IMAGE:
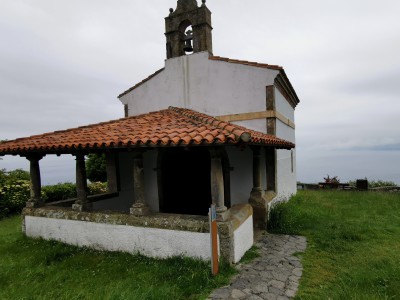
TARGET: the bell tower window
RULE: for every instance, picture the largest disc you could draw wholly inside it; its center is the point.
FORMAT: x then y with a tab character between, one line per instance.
188	37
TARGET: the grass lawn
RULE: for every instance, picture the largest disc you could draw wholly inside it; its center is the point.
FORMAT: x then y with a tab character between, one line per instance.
353	243
37	269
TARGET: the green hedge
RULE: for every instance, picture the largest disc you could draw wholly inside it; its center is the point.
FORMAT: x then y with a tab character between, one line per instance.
60	191
14	195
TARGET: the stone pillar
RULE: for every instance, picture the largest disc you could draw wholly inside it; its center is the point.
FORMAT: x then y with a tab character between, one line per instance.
270	160
257	195
270	101
257	169
36	186
139	207
217	185
112	172
82	203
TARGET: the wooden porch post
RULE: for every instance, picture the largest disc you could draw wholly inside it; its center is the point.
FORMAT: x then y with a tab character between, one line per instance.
217	185
139	207
82	203
36	186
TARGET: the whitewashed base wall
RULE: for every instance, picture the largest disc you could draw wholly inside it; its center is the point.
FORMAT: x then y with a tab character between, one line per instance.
152	242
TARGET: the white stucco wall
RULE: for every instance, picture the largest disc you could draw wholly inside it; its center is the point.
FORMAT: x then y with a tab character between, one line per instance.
286	183
204	85
151	242
286	178
243	239
241	160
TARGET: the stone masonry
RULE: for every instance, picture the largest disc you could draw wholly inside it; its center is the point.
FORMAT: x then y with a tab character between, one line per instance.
273	275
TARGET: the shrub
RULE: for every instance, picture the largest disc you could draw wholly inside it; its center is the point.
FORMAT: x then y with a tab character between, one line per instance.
13	197
96	167
333	180
97	188
283	217
7	177
60	191
63	191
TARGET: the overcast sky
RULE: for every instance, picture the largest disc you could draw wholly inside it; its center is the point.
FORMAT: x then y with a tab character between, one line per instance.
63	63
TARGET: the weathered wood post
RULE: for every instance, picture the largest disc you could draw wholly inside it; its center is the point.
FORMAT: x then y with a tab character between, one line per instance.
35	185
82	203
139	207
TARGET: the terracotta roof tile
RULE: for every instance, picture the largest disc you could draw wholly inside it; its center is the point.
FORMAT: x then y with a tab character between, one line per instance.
170	127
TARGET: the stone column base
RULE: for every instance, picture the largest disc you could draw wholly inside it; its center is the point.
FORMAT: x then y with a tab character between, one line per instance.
222	214
259	200
34	204
140	210
82	207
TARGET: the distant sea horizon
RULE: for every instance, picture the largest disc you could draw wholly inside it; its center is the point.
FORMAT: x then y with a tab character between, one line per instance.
62	169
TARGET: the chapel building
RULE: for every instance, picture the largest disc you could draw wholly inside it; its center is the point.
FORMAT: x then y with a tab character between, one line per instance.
202	130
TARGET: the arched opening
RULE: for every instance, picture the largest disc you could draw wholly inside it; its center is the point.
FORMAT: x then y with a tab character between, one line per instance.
185	181
186	32
188	40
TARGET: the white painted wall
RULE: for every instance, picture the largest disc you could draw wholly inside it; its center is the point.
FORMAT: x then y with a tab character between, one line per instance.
243	239
286	185
286	179
204	85
242	174
151	242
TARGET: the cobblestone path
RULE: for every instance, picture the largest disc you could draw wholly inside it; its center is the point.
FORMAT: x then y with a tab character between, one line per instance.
273	275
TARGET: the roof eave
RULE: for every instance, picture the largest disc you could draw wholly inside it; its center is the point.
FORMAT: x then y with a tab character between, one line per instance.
283	84
140	83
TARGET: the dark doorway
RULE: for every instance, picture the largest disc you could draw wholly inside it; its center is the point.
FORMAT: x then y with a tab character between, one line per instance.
185	181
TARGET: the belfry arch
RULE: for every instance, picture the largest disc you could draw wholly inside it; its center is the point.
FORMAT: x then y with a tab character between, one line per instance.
188	13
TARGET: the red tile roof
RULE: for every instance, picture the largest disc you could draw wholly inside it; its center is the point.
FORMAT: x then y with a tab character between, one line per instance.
170	127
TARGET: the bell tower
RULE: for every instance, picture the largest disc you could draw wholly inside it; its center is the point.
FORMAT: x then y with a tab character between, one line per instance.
188	29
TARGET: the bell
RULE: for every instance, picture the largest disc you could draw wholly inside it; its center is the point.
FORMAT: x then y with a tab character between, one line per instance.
188	41
188	46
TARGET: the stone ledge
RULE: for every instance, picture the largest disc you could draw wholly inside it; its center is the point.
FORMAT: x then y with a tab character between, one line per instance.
156	220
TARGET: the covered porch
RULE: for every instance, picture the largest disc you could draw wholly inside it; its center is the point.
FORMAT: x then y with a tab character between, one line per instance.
164	169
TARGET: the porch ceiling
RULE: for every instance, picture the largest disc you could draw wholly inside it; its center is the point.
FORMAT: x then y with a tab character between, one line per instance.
170	127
